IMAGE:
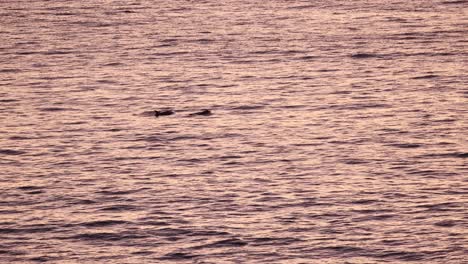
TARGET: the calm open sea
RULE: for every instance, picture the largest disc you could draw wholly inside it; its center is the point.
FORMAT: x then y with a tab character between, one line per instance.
338	133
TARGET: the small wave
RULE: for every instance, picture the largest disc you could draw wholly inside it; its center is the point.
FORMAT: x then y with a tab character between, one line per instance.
459	155
127	11
111	129
113	64
372	211
441	207
155	223
83	202
261	52
204	40
430	173
210	233
103	223
300	7
446	223
364	56
327	70
308	57
66	14
41	259
35	192
10	70
8	100
11	152
118	208
93	24
354	161
429	76
177	256
364	201
12	252
342	249
31	189
27	52
263	241
147	113
107	236
456	2
106	192
165	45
229	157
170	54
359	106
171	232
54	109
248	107
28	188
19	138
26	230
57	52
423	54
106	81
143	252
373	217
231	242
185	137
406	145
296	106
446	120
401	255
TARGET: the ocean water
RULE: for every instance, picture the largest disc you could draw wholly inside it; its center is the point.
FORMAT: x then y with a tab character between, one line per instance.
338	133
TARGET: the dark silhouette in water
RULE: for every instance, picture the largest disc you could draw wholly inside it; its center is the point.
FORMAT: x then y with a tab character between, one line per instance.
363	55
163	113
204	112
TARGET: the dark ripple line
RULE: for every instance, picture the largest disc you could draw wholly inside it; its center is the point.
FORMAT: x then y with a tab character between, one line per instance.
55	109
405	145
271	241
26	230
105	236
9	71
171	232
429	76
342	249
231	242
356	106
446	223
118	208
402	255
364	56
110	192
103	223
462	155
11	152
456	2
178	256
28	187
12	252
248	107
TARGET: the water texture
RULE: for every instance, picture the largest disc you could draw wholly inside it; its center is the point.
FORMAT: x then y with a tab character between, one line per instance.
338	132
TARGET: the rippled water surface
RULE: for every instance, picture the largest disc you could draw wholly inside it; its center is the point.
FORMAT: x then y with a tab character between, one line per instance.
338	132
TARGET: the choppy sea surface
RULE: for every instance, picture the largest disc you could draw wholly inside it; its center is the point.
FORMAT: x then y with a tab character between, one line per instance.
338	133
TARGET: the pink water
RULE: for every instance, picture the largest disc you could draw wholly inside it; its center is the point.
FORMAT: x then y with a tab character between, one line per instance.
338	132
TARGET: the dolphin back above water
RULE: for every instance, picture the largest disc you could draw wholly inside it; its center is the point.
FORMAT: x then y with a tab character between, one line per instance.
204	112
158	113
